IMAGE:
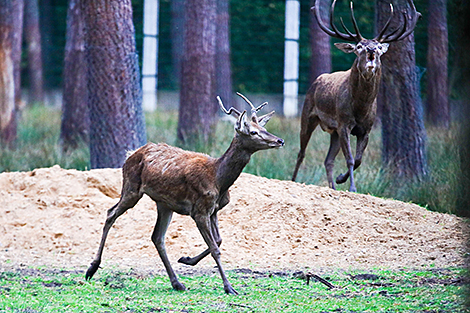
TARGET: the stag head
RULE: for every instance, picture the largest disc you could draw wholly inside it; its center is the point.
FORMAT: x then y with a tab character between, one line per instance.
368	51
251	129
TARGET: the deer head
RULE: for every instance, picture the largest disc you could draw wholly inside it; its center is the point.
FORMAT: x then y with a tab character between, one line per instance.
251	129
368	51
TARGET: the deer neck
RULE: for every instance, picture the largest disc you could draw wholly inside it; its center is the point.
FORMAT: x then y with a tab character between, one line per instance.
364	89
231	164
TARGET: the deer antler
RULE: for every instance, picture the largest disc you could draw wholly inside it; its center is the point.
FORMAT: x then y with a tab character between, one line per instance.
403	30
253	109
229	111
334	32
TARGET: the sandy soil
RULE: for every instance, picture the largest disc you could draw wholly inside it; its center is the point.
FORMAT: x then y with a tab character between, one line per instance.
54	217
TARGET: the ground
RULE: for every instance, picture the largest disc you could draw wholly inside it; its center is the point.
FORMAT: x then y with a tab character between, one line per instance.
54	217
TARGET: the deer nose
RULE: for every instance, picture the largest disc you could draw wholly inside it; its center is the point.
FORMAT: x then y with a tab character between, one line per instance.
280	141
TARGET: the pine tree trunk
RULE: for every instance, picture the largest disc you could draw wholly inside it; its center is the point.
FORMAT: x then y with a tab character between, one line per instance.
320	61
198	104
403	132
117	123
11	19
223	66
437	90
177	37
33	41
75	119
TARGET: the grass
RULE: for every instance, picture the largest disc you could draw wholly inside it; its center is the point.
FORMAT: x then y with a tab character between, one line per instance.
39	127
41	290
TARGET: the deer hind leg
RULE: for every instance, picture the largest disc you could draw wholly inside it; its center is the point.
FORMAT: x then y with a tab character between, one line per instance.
158	238
306	129
204	225
361	145
218	240
330	158
127	201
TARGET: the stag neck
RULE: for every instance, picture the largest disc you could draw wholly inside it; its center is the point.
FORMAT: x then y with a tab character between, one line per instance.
364	90
231	164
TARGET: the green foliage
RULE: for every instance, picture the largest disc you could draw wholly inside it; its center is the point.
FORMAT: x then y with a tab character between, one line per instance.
257	41
426	290
38	144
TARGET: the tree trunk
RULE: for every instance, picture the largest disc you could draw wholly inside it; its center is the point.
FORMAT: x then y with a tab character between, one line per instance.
177	37
437	90
11	19
75	118
197	93
223	67
117	123
33	41
320	61
403	132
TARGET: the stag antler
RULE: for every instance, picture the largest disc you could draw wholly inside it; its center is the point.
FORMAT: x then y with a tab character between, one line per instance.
403	30
399	33
229	111
254	110
334	32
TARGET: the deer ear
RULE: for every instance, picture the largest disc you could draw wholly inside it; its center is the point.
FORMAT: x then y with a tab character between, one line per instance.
264	119
345	47
384	47
242	125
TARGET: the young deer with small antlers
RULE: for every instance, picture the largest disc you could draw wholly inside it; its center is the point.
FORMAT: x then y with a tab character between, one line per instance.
189	183
344	103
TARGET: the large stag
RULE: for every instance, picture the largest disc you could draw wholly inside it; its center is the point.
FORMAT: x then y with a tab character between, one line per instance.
344	103
189	183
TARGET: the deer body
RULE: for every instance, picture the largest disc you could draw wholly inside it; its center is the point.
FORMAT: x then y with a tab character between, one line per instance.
344	103
188	183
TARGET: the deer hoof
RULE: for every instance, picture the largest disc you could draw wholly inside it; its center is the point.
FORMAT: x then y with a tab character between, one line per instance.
178	286
342	178
187	260
230	291
92	270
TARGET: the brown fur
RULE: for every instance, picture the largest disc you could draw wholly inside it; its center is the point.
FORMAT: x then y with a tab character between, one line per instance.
188	183
342	103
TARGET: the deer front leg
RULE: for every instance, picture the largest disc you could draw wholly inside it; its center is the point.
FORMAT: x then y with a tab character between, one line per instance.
344	135
361	145
308	125
218	239
330	158
158	238
204	225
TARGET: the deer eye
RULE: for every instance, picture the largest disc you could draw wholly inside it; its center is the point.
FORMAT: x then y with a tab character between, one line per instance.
379	47
253	133
359	47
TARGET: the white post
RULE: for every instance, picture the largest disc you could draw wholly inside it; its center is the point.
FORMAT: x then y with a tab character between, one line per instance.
150	55
291	58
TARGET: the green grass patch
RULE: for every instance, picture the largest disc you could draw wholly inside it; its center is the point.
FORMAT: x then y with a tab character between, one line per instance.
38	146
42	290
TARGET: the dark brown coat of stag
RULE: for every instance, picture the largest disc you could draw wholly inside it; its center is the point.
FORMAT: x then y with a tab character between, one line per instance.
344	103
189	183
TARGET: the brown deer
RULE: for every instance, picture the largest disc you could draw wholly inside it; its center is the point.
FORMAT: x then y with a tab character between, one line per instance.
189	183
344	103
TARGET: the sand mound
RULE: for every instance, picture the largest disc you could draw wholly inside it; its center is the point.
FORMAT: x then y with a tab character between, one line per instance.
54	217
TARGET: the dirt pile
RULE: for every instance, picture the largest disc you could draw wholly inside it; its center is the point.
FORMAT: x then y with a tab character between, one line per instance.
53	216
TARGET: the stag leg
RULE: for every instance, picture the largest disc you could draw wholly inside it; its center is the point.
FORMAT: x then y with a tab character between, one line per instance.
127	201
361	145
218	240
346	147
158	238
306	129
204	225
330	158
